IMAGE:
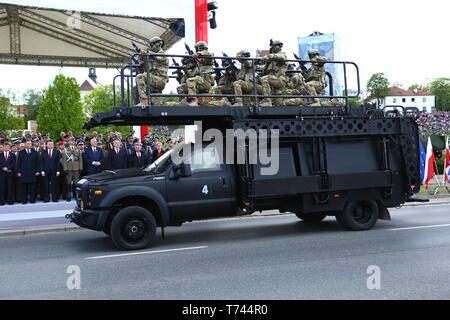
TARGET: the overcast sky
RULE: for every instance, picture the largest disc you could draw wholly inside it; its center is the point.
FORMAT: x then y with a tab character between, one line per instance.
408	40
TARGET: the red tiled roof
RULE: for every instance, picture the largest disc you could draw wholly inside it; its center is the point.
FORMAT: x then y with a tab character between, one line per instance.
86	86
396	91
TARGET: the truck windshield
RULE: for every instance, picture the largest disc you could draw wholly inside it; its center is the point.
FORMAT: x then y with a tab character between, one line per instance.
160	164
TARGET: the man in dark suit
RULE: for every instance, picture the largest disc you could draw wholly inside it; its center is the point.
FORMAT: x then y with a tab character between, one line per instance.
50	169
7	168
93	157
139	158
28	168
118	157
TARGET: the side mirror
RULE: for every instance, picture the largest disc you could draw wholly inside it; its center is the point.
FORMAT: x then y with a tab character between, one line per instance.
185	170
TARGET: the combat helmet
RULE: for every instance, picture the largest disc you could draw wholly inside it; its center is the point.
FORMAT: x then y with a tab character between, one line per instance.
155	40
313	52
276	42
201	45
243	53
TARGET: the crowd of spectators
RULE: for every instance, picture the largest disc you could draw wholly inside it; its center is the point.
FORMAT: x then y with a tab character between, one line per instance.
34	166
434	124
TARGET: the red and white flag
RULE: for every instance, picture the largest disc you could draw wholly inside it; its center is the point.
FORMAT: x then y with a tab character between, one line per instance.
429	164
447	162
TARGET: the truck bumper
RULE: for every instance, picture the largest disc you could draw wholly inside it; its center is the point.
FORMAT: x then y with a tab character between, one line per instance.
93	219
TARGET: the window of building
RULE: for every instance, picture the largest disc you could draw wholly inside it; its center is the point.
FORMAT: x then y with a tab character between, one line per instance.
424	109
394	100
413	99
424	99
403	99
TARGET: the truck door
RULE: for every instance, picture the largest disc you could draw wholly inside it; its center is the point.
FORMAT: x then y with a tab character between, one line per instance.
208	192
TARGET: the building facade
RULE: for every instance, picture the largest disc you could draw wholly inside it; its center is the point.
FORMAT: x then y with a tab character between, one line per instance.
422	100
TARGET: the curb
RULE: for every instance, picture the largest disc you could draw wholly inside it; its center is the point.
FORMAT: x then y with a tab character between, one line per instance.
67	228
37	230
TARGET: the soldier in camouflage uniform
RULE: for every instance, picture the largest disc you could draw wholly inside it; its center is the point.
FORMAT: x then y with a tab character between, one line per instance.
203	78
188	66
315	76
158	72
244	83
274	79
296	86
225	84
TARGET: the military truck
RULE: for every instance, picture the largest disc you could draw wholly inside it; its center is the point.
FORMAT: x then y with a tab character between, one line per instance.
348	162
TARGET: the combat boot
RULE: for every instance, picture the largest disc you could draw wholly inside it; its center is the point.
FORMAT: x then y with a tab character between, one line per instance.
316	103
265	103
238	102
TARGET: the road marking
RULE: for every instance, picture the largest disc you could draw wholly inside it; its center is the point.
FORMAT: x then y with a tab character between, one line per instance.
422	227
145	252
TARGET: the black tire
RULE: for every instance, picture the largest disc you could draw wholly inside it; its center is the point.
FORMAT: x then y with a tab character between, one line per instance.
311	217
133	228
358	215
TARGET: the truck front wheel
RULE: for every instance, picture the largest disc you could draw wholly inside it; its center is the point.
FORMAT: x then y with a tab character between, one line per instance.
133	228
358	215
311	217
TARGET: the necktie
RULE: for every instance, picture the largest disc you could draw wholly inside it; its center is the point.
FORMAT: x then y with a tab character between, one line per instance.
139	155
6	156
50	153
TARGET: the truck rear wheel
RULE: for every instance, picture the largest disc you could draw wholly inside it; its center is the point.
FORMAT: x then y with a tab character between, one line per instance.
311	217
358	215
133	228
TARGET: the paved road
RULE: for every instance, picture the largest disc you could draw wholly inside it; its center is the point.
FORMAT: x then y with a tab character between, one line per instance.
248	258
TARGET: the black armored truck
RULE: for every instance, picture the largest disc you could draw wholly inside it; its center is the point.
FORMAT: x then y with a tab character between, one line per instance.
348	162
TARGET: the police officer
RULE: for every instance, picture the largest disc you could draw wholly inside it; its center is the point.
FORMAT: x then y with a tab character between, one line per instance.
274	79
159	66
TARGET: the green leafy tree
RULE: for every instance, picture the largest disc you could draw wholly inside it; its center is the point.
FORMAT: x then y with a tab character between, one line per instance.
101	99
440	87
418	87
378	87
8	120
61	108
32	101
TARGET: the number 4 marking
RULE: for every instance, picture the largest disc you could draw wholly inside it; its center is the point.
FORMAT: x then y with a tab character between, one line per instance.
205	189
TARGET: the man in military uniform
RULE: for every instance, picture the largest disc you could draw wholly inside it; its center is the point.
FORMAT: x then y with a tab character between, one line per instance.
72	164
274	79
315	76
225	83
158	72
244	83
200	79
296	86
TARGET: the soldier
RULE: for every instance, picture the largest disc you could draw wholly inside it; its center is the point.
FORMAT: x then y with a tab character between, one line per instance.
72	164
188	66
158	72
274	79
244	83
202	78
315	76
225	83
296	86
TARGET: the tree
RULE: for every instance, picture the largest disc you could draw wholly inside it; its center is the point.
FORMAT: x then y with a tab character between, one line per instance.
32	101
378	87
101	99
418	87
8	120
440	87
61	108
